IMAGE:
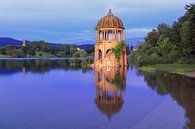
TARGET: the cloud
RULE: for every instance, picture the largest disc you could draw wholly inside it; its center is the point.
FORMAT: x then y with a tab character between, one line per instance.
137	32
80	9
63	20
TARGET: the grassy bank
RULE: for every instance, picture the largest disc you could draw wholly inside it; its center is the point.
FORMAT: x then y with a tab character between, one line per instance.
41	54
171	68
4	56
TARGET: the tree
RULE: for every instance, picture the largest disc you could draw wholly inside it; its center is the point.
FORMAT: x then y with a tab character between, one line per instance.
191	18
175	32
185	38
11	51
167	50
152	37
80	54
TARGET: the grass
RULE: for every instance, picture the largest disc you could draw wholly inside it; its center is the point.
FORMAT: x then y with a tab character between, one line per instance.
171	68
41	54
4	56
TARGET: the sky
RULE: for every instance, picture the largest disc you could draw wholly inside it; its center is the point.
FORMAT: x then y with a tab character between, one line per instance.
72	21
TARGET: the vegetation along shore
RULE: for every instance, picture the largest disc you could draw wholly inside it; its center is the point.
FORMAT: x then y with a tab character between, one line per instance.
169	48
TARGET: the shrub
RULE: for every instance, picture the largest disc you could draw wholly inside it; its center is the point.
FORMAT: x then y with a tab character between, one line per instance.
150	60
186	60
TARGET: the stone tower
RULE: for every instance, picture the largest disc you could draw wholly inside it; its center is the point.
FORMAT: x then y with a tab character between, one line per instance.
24	48
109	33
24	43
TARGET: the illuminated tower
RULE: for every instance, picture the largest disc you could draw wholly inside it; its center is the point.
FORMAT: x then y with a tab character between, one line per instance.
109	33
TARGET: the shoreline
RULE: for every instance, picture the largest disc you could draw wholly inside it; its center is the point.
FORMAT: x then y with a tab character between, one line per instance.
189	74
187	70
52	58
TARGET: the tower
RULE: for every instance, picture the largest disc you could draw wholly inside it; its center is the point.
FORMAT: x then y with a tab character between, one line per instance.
24	48
24	43
109	33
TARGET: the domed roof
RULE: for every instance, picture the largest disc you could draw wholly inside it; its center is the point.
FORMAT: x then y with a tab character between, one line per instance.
110	21
108	107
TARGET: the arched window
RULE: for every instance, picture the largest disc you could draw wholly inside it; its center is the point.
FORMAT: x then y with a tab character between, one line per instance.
119	36
101	35
110	35
108	51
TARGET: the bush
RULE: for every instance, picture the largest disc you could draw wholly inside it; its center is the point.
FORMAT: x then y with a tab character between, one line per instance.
80	53
186	60
60	54
150	60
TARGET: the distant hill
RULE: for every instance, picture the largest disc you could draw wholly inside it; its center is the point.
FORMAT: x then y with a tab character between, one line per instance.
129	40
9	41
86	46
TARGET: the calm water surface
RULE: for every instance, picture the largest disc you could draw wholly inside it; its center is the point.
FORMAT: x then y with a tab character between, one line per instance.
51	94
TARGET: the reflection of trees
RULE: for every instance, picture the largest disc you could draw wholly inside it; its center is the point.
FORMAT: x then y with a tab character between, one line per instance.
181	88
110	84
36	66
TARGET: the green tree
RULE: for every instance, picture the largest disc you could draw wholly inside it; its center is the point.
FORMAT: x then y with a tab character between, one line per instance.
152	37
80	54
167	50
185	38
11	51
191	18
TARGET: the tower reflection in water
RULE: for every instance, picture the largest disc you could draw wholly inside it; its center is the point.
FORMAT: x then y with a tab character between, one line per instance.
110	85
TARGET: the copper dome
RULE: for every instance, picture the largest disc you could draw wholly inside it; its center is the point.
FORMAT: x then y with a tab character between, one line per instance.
110	21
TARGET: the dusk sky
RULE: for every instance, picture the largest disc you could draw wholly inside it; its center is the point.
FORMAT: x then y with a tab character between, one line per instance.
71	21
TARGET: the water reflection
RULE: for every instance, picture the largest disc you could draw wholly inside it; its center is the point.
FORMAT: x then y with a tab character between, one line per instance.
110	85
62	91
39	66
181	89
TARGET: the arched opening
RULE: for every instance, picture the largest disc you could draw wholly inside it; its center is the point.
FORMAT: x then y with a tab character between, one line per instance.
109	51
110	35
101	35
100	55
119	35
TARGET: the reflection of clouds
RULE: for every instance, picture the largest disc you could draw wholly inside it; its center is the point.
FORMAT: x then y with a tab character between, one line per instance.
135	81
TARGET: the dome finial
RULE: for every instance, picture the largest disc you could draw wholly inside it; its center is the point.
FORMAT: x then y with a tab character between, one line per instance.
110	13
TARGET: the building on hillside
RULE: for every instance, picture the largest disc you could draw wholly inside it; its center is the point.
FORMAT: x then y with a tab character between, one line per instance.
24	43
24	48
109	33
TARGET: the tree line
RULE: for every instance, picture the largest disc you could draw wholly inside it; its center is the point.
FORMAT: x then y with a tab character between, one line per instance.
169	44
42	49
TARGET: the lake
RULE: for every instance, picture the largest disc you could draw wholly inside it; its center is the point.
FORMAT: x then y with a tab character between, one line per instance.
53	94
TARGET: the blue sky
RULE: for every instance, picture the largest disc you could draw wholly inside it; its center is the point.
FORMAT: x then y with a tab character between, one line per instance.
70	21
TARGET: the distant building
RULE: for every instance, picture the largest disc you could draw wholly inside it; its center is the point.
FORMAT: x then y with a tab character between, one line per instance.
24	43
24	48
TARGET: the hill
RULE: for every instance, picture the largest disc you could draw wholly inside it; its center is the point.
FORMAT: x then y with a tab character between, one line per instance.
9	41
